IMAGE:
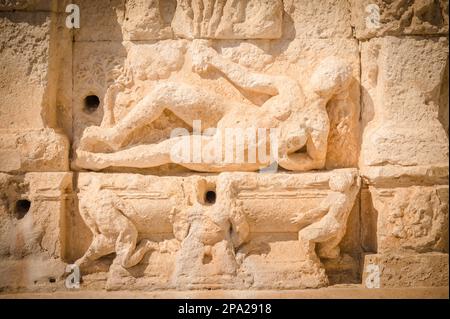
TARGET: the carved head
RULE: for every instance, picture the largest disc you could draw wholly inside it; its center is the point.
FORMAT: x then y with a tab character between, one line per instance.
341	182
331	76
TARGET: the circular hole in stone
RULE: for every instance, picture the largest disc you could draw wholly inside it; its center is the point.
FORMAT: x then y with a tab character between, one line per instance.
51	280
22	208
210	197
91	103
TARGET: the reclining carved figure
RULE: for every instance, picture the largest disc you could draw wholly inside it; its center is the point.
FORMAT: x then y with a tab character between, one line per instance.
299	114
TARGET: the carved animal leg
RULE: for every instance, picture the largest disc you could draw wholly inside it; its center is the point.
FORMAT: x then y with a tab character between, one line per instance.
100	246
128	254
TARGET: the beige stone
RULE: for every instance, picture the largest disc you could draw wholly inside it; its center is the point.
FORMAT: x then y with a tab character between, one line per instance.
33	5
101	20
376	18
250	19
402	100
423	270
413	218
189	235
24	46
318	19
250	147
32	219
37	150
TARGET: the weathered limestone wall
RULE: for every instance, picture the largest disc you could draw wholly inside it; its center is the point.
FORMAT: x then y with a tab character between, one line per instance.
357	89
404	151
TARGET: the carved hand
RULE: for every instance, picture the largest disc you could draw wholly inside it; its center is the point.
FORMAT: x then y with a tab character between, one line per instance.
310	216
298	219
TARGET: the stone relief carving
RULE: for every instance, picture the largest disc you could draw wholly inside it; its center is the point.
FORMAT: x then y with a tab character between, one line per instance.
223	19
298	113
412	219
326	224
228	19
146	94
211	239
210	235
111	223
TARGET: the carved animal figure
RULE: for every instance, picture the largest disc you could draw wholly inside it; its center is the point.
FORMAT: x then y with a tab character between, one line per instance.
109	220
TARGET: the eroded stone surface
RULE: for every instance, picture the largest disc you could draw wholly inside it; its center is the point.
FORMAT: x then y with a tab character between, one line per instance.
412	218
398	17
32	245
352	188
402	98
24	48
188	233
420	270
43	150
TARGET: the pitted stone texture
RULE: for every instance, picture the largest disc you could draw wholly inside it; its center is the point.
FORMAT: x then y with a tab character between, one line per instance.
411	219
403	270
25	56
317	19
32	242
36	150
402	99
376	18
33	5
100	20
241	19
148	20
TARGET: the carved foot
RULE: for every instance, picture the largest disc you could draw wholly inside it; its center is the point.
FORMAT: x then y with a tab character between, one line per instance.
90	160
96	136
150	245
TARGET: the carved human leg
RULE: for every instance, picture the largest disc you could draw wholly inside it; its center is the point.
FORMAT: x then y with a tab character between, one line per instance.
106	215
188	102
318	232
223	253
330	249
153	155
140	156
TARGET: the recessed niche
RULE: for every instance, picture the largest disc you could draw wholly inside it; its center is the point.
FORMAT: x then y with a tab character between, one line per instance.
302	150
210	197
22	208
91	103
206	259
